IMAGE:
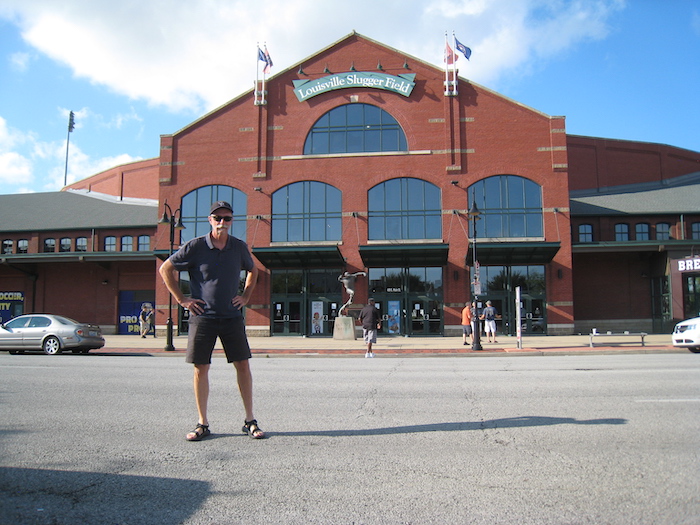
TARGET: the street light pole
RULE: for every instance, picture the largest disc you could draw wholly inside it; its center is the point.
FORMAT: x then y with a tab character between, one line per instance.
474	214
169	218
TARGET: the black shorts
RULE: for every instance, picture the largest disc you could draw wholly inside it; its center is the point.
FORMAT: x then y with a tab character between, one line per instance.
203	332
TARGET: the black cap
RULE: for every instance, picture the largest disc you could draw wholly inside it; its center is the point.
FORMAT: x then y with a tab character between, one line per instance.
220	204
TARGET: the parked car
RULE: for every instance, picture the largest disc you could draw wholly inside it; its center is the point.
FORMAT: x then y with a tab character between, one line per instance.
686	334
50	333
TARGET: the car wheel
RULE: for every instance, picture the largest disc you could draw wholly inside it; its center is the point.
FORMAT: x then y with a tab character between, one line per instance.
85	350
51	345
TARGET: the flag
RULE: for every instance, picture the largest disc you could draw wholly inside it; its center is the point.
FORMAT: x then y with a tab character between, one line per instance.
450	57
264	56
463	49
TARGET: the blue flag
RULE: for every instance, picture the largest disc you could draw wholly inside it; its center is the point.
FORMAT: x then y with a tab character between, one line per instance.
463	49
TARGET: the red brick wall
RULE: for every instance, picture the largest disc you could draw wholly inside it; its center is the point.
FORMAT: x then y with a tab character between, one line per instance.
596	162
137	180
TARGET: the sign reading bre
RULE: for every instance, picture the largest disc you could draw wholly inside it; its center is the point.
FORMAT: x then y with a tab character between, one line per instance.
689	265
401	84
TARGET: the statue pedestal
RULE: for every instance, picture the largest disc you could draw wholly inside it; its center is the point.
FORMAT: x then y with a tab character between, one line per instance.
344	328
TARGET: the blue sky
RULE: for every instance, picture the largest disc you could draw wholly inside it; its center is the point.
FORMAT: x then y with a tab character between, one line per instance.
135	69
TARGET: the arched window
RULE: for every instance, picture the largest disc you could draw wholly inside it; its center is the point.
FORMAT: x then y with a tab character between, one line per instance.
7	246
511	207
306	211
144	243
663	231
127	243
355	128
65	244
641	231
110	243
585	233
49	245
404	208
81	244
695	231
622	232
195	211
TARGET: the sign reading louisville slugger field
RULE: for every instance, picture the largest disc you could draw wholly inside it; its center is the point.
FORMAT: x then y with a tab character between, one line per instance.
401	84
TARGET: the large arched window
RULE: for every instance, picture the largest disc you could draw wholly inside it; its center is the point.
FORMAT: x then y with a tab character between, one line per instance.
355	128
195	211
511	207
306	211
404	209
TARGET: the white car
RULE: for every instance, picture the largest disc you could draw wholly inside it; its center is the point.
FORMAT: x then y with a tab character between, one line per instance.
686	334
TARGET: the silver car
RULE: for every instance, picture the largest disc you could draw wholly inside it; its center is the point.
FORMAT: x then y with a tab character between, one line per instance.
50	333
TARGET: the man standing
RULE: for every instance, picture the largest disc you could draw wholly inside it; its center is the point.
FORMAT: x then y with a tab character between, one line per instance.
214	262
144	321
489	315
466	322
371	322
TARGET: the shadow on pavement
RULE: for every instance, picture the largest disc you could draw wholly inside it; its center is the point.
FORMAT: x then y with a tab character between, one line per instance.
57	496
511	422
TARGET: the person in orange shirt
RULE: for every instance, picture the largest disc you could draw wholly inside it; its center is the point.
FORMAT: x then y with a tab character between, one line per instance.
466	322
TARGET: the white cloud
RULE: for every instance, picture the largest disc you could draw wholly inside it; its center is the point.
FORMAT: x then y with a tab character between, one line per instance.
15	168
194	56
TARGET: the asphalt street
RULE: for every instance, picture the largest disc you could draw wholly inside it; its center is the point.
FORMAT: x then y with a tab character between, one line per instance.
391	440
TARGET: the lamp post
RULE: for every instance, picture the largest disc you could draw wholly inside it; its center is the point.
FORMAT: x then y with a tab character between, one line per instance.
169	218
474	214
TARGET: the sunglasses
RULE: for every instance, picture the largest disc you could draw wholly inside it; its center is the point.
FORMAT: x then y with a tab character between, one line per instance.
225	218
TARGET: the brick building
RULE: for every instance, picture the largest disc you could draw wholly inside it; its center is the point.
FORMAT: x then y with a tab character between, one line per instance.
361	158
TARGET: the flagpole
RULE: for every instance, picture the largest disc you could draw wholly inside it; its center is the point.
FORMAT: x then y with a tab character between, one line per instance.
262	91
454	69
447	68
257	73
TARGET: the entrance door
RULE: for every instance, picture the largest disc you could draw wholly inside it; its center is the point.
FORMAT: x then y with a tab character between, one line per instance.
532	315
286	317
322	313
425	316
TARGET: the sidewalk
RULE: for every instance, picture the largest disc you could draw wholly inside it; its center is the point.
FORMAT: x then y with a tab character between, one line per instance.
391	346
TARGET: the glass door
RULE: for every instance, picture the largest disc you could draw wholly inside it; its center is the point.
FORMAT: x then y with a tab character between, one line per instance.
286	317
425	316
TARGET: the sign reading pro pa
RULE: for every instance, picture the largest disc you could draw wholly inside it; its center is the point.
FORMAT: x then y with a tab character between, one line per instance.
401	84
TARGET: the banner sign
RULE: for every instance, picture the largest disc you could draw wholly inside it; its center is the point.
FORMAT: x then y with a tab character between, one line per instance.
689	265
401	84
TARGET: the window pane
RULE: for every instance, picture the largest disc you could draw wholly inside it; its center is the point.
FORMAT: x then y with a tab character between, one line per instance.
492	193
393	228
338	117
416	227
355	128
433	227
534	225
516	197
517	226
355	114
355	144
